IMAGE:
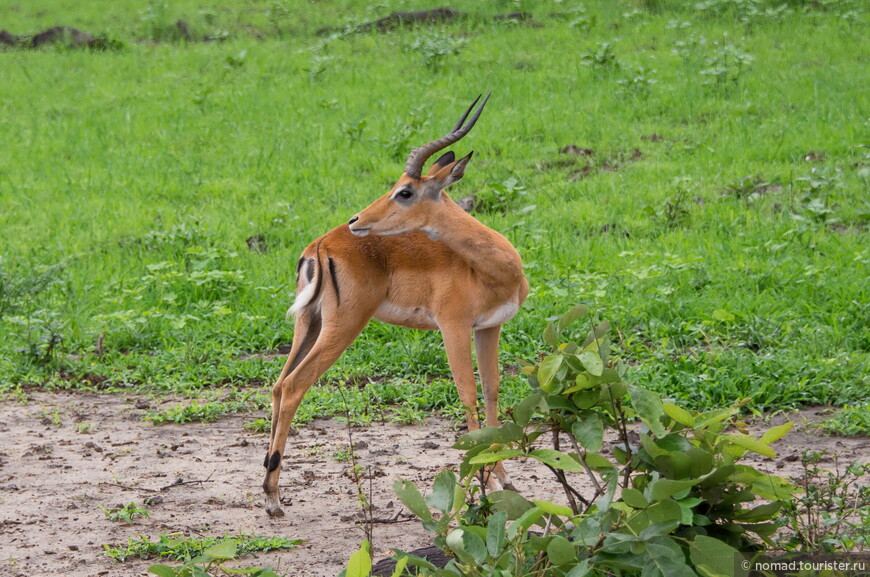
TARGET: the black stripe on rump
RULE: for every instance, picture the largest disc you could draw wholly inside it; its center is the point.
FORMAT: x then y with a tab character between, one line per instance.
334	278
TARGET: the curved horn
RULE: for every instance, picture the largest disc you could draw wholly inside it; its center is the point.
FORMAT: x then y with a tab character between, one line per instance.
419	156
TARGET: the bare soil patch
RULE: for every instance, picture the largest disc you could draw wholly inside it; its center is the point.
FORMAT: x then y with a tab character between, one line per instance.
55	477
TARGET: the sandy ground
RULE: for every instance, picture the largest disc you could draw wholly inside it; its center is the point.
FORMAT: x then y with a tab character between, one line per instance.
54	479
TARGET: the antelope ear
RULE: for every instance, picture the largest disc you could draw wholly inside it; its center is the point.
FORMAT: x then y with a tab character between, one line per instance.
446	175
445	159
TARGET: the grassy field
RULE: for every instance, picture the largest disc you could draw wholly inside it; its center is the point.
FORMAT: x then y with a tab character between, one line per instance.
714	207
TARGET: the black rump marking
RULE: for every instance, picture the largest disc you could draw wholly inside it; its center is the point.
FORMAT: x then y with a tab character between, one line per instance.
309	270
334	278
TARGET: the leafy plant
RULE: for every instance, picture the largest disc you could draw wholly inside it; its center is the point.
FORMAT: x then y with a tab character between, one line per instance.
726	65
668	497
126	513
259	425
210	562
673	211
603	57
435	47
851	420
184	548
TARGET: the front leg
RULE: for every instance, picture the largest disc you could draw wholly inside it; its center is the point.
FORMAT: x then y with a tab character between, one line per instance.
486	344
457	344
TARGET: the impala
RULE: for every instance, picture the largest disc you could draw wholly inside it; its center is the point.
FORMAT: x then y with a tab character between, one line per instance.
413	258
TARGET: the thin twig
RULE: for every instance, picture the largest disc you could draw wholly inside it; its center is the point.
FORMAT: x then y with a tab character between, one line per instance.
129	488
197	482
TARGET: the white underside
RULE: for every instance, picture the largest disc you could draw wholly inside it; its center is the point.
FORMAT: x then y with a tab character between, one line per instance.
422	317
497	316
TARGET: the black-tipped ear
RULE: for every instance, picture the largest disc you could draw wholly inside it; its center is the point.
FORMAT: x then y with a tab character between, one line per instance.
446	159
440	181
458	170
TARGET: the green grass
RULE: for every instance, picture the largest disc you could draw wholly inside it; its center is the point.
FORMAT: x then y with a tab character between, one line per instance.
178	547
721	223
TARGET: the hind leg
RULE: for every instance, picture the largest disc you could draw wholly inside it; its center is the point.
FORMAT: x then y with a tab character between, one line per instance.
305	333
330	342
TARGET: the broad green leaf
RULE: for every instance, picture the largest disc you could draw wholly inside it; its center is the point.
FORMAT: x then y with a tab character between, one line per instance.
411	498
586	399
717	476
487	456
661	489
560	551
557	460
747	442
713	558
360	563
223	550
773	488
664	512
589	431
495	533
400	567
592	362
679	414
510	502
163	571
553	509
776	433
551	337
522	413
574	313
665	560
598	463
443	491
547	372
467	545
634	498
674	442
524	521
711	417
579	570
760	513
507	433
649	408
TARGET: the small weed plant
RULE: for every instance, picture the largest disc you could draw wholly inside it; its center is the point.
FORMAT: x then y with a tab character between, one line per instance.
832	514
126	513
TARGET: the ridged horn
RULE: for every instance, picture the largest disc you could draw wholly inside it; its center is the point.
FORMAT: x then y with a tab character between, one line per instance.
419	156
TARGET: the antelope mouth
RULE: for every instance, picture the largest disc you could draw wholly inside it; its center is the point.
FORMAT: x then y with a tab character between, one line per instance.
360	232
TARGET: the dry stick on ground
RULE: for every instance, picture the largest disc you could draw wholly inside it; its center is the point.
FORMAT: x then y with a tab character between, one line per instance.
179	483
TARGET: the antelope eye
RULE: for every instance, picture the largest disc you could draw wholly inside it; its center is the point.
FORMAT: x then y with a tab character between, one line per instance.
405	194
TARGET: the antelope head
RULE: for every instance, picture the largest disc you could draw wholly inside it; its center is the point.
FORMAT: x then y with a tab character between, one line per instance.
409	204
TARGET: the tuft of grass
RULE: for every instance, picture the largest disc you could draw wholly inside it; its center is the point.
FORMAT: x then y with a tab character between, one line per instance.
850	421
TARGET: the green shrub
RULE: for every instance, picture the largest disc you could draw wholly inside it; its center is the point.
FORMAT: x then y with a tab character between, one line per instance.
669	497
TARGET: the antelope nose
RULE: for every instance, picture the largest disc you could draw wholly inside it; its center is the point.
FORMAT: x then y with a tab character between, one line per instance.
354	219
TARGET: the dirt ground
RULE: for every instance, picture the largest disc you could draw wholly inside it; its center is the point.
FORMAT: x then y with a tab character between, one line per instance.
55	477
